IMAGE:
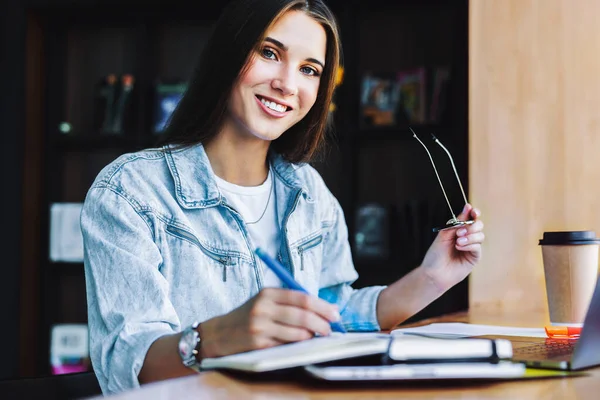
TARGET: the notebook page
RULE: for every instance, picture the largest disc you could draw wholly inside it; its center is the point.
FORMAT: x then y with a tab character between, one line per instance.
460	329
319	349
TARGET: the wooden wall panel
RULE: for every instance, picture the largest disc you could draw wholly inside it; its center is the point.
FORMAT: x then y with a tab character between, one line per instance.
534	136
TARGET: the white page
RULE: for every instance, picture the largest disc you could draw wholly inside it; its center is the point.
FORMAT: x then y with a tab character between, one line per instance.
310	351
460	329
416	347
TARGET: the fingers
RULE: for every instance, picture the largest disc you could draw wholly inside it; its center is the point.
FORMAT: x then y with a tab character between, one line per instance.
298	317
470	242
267	333
272	317
475	227
264	341
464	214
474	238
470	237
300	313
296	331
476	248
475	213
468	212
304	301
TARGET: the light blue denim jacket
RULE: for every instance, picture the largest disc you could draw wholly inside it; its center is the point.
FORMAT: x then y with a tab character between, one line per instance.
162	249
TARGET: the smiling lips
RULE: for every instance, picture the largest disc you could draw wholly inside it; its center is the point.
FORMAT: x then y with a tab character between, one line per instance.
272	107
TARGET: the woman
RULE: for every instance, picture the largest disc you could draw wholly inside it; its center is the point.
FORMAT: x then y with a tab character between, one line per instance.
169	233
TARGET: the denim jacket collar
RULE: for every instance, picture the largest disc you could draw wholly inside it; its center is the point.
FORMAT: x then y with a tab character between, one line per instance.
195	185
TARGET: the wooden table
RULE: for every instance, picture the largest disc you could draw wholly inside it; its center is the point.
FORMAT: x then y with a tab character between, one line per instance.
214	385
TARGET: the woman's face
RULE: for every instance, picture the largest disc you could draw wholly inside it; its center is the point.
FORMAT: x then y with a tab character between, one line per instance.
282	81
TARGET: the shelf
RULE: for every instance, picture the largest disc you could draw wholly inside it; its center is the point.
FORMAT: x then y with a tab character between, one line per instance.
399	132
383	134
66	264
102	142
60	270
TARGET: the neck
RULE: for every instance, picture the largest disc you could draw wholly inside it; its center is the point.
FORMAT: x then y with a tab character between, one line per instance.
238	158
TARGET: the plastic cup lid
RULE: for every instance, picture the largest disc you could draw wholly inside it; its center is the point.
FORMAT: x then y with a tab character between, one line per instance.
569	237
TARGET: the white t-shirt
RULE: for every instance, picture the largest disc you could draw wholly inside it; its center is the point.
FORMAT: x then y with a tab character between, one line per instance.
257	205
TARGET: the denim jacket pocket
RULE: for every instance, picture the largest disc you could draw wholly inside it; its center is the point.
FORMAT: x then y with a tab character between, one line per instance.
222	259
308	258
307	246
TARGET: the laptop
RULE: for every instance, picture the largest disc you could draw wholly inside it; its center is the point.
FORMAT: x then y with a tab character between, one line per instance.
564	354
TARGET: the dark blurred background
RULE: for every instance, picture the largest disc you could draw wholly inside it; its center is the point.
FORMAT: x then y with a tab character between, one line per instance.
405	64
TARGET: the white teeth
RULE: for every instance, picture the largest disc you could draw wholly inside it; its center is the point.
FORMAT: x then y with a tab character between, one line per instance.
274	106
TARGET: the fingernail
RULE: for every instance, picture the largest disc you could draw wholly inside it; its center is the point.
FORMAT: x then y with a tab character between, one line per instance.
335	316
461	232
465	208
462	240
477	212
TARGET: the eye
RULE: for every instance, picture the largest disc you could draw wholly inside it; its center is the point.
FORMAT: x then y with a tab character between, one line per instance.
268	53
310	71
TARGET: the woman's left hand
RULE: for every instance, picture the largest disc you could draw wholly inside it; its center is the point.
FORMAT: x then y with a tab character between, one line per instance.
454	252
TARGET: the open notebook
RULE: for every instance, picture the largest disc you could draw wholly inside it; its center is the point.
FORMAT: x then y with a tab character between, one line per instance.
390	349
313	351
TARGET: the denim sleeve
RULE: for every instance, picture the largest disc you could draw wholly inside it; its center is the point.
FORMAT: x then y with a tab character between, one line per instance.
128	302
358	307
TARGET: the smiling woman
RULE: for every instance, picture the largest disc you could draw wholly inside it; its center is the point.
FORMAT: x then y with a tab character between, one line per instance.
280	84
253	33
170	233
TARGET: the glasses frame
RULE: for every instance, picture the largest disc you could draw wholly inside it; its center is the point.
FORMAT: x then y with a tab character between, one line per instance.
453	222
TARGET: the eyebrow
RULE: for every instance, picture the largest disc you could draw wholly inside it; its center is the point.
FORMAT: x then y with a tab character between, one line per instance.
285	48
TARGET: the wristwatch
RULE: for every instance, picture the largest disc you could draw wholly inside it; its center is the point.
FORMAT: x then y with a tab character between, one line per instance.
189	344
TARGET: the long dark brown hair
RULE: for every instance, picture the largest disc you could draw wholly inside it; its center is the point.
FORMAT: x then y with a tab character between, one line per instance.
237	35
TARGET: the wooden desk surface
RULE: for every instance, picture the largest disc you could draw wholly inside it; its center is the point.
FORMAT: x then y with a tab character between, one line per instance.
214	385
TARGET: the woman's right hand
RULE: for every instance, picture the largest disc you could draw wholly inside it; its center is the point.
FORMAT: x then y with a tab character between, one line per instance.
272	317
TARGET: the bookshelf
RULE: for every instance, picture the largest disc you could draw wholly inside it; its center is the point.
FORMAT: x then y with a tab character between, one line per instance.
85	42
82	44
384	164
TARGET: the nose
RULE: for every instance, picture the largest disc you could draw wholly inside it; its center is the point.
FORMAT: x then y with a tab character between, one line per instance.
285	83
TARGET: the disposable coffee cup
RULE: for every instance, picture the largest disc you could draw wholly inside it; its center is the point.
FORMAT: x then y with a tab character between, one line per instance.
571	270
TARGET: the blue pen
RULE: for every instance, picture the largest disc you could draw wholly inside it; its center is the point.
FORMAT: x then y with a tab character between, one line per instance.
289	281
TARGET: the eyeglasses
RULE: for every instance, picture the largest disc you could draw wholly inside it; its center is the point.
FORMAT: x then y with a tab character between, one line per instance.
452	222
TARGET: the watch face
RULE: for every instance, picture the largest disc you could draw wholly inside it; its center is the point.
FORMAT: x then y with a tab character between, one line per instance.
187	343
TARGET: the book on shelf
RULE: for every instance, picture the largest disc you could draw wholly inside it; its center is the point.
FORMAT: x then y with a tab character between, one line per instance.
123	112
69	349
66	240
114	104
167	97
379	100
412	85
372	236
411	96
439	93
